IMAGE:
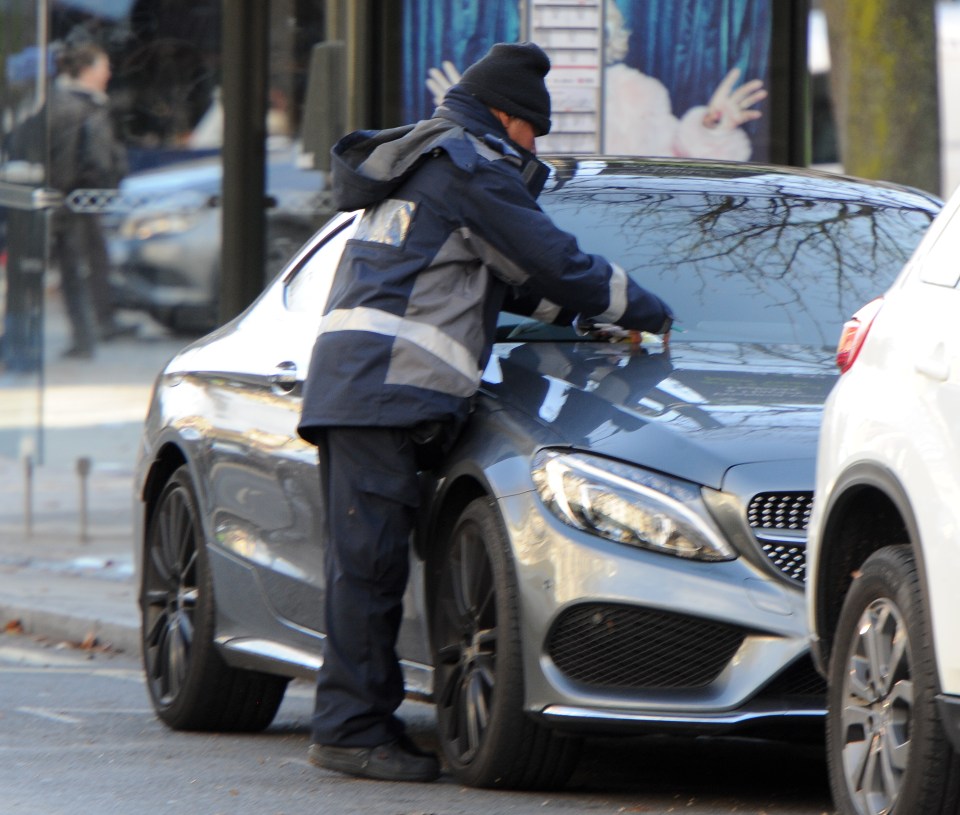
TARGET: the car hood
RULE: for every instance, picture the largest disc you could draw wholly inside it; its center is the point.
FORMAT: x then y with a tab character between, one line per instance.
694	411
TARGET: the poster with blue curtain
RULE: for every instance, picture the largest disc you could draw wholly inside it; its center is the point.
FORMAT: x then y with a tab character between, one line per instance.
456	31
679	77
690	47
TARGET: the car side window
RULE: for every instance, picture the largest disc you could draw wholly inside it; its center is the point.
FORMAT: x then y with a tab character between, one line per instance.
941	266
308	289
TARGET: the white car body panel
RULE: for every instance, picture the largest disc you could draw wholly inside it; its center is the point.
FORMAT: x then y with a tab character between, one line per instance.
898	409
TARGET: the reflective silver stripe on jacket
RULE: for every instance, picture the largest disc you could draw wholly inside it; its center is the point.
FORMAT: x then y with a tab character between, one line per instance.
388	222
546	312
618	296
458	373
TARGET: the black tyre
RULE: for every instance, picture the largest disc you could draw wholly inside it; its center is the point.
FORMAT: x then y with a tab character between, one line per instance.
886	749
486	738
190	685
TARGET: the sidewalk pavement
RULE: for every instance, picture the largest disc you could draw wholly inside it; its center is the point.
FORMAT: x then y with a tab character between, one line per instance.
56	585
66	549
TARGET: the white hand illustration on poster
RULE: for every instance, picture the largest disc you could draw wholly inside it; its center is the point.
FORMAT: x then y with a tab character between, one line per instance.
639	117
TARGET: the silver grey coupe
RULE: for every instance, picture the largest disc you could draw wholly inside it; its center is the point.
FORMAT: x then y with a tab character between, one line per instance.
617	543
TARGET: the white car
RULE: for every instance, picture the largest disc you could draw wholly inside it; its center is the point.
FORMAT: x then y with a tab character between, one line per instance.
884	549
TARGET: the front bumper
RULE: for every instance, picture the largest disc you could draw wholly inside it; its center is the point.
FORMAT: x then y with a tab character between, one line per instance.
620	638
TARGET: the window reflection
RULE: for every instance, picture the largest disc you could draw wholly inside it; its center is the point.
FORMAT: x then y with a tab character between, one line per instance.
162	224
307	291
771	267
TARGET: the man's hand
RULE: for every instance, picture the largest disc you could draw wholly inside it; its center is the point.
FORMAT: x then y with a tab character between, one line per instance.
610	332
440	80
728	108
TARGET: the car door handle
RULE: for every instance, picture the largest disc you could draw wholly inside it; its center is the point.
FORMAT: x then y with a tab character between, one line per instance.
935	366
284	379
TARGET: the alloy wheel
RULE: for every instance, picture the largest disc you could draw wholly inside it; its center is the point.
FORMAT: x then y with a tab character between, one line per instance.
170	595
466	639
877	708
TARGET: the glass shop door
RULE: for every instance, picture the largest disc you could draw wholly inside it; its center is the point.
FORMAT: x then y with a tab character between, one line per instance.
25	205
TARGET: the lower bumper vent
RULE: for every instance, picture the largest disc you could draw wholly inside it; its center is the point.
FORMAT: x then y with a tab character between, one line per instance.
799	679
618	646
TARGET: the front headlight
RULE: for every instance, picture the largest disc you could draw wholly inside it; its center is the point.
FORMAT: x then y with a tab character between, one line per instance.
144	227
163	214
628	505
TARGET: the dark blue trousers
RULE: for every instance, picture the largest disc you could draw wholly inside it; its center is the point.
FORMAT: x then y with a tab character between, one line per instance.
369	483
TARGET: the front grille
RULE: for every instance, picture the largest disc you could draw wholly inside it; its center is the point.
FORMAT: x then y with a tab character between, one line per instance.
616	646
780	510
789	558
775	517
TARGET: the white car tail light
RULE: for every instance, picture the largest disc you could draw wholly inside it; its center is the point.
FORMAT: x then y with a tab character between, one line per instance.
854	334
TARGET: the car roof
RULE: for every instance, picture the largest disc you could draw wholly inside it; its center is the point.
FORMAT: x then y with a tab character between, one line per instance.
707	175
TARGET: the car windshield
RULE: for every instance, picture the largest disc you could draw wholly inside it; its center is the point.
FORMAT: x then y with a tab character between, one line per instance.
761	266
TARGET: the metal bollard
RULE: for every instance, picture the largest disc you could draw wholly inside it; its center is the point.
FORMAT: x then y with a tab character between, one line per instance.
84	465
28	496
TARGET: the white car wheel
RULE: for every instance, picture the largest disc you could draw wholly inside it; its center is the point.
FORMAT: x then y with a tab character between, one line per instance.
887	752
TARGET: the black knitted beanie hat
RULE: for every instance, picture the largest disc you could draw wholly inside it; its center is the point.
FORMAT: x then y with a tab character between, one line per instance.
510	78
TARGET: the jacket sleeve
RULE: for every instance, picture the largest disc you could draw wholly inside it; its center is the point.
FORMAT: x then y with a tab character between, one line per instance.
520	244
530	304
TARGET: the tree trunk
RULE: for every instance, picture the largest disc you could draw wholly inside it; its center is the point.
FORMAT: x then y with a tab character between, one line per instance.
883	56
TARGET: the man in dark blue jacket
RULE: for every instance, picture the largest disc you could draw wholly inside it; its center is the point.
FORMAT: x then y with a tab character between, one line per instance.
451	234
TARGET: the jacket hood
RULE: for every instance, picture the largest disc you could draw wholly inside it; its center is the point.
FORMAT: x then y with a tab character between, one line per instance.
368	165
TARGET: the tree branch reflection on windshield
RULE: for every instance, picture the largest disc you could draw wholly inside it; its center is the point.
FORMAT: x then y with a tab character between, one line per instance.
777	266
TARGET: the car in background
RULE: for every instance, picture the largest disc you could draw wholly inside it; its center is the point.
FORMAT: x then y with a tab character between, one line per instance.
617	542
884	549
165	242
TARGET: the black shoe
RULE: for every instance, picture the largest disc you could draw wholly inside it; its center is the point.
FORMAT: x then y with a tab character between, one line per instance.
78	352
113	331
394	761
